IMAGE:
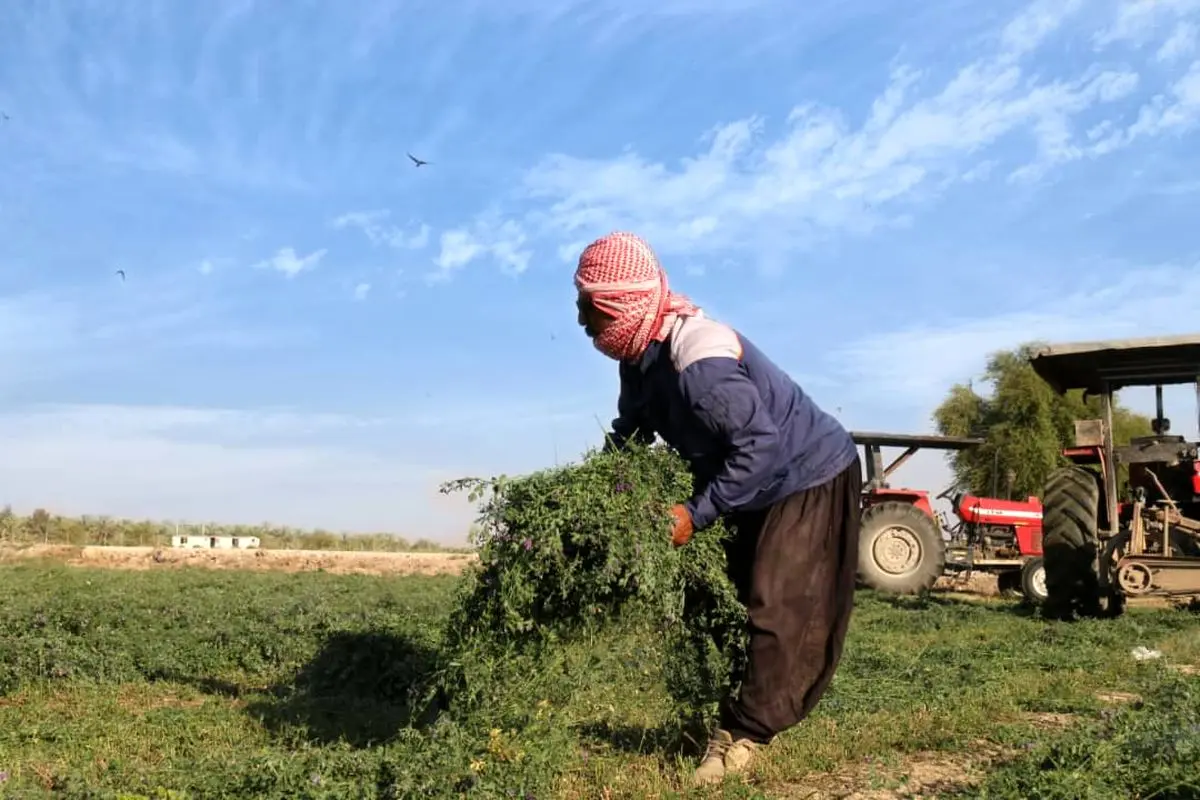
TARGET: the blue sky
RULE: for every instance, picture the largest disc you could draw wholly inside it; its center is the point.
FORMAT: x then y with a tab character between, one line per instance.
315	332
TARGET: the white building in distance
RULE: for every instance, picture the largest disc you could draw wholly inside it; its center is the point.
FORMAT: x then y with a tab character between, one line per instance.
204	542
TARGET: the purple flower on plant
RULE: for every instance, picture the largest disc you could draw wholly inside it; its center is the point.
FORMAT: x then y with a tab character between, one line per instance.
3	775
623	487
527	543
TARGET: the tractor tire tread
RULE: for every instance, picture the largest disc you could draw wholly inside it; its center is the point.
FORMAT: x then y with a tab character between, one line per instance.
1071	507
1070	544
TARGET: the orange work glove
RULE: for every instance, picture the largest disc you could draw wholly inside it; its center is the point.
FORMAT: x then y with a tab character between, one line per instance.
681	531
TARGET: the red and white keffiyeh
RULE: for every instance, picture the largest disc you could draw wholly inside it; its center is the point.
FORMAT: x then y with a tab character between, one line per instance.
624	279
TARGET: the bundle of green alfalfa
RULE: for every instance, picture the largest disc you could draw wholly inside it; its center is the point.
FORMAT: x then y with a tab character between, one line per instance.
572	551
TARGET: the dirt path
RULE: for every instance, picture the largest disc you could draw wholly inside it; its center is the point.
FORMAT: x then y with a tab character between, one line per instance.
335	561
917	775
979	586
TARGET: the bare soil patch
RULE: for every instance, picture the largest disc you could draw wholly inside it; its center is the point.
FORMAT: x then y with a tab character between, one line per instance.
136	701
922	774
335	561
975	583
1119	698
1049	720
918	775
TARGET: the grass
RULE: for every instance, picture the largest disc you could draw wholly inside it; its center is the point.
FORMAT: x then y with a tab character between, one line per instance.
193	684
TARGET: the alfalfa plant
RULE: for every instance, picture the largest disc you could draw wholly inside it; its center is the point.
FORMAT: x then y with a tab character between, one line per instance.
570	551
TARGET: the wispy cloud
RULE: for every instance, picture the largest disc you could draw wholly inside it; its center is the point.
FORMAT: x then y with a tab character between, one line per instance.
505	242
1181	44
1138	22
286	261
361	291
1029	29
374	226
918	364
1001	113
220	95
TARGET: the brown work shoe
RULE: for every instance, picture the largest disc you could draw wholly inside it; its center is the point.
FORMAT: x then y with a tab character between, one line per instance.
723	756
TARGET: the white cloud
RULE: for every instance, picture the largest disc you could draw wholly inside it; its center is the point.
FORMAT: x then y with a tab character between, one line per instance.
290	264
206	267
1032	26
918	364
747	189
1175	113
361	291
1181	44
372	224
980	172
459	248
503	242
1139	21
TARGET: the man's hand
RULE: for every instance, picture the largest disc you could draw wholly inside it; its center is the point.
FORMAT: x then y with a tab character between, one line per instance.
681	531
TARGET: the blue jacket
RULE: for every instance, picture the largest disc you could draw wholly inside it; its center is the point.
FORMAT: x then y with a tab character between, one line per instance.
749	433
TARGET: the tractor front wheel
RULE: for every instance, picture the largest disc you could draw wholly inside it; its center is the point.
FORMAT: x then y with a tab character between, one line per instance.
1033	581
901	550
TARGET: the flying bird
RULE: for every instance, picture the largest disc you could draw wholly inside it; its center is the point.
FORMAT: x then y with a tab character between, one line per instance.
416	160
121	272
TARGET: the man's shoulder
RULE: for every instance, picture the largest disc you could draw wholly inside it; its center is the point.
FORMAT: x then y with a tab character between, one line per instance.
696	338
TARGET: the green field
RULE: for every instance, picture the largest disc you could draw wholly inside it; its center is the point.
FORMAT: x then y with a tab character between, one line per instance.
193	683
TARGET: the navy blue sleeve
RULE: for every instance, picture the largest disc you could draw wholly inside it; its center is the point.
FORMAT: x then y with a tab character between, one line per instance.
631	422
728	404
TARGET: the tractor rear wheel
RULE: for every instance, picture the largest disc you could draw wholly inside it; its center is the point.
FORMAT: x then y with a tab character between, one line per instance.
901	549
1070	545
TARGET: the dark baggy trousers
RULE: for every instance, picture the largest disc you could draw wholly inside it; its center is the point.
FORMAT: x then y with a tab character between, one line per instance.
795	566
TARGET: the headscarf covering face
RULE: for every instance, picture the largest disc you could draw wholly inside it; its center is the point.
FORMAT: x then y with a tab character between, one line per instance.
622	278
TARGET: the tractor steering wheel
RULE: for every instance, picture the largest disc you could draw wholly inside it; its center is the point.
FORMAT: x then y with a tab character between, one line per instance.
948	492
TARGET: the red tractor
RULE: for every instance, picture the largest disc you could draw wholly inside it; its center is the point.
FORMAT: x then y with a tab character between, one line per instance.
1104	545
905	546
1000	536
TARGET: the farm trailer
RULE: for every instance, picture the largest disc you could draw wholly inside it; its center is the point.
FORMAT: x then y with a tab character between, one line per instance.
1099	550
902	548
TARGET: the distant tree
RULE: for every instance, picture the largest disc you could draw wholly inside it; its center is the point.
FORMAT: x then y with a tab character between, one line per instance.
1025	425
40	524
9	524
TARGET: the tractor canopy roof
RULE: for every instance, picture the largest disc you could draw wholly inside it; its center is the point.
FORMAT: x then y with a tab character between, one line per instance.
1097	367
